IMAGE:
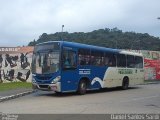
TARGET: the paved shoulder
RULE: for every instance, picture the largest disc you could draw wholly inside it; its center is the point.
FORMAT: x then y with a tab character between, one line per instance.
10	94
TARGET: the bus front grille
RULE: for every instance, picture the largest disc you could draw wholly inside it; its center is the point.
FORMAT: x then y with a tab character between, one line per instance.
44	77
43	86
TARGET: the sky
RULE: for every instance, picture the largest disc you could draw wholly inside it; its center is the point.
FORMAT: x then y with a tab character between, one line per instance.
22	21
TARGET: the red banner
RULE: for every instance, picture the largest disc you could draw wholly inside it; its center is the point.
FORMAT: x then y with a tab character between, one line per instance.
153	63
158	73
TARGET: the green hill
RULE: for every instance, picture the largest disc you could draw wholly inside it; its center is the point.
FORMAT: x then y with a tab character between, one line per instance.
113	38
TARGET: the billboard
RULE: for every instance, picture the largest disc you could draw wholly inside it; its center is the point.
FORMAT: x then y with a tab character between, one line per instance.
15	63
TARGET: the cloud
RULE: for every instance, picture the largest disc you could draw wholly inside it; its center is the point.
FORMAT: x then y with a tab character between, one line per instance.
24	20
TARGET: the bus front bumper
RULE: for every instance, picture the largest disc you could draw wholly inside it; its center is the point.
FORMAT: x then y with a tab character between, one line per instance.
47	87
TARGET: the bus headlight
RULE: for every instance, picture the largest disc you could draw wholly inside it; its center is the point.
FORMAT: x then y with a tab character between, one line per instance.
57	79
33	80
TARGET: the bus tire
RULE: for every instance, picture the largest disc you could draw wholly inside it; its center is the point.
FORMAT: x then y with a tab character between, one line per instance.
125	83
82	87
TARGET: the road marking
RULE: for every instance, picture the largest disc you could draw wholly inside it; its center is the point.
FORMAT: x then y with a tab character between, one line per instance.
141	98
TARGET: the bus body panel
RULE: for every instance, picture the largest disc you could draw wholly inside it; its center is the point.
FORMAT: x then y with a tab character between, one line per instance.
114	76
71	78
98	76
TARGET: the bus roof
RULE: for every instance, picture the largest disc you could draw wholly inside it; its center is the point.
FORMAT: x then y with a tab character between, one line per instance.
131	53
86	46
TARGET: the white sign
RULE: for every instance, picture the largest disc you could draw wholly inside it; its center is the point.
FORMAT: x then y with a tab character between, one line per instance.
84	71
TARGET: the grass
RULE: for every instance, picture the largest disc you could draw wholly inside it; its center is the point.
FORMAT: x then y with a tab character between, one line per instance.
14	85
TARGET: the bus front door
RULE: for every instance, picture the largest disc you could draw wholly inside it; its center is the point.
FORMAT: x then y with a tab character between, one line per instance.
69	71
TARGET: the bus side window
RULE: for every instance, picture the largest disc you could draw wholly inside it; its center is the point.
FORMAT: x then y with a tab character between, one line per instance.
107	60
69	59
113	60
84	57
97	58
130	61
110	60
81	60
138	62
121	60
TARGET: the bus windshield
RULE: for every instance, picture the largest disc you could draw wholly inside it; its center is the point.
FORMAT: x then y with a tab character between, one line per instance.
46	58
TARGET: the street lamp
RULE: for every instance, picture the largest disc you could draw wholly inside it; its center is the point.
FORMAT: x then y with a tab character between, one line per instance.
62	27
62	33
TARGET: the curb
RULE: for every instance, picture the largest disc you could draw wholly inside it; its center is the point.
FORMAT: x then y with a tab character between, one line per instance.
15	96
151	83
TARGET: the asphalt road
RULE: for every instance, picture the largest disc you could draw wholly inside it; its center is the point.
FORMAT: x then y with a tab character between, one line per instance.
140	99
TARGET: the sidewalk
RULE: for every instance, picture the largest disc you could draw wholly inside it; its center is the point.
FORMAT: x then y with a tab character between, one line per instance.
10	94
152	82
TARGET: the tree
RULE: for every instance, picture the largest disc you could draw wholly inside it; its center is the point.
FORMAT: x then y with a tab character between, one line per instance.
113	38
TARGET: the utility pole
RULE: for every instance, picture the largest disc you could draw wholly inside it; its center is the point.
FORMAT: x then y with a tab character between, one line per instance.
62	28
62	33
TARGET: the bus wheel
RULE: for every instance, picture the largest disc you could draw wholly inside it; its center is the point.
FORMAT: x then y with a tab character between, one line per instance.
125	83
82	87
